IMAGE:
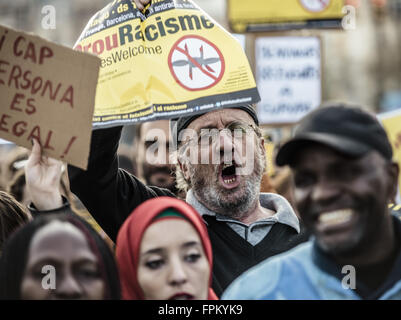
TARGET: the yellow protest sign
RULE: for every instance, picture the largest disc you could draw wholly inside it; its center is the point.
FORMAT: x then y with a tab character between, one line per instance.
170	61
47	93
269	151
260	15
391	122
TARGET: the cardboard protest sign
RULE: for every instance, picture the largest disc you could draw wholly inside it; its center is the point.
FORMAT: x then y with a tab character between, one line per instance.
288	73
391	123
173	60
47	92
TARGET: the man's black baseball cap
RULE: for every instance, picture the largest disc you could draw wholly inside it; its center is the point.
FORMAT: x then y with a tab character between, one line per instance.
347	129
179	124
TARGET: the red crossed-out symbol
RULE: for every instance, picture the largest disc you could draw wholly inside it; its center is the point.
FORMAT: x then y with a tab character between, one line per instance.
196	63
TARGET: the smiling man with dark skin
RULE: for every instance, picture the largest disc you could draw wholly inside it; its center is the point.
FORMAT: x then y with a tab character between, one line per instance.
344	202
344	180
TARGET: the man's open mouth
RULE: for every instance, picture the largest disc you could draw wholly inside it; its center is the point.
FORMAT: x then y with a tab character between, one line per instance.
228	176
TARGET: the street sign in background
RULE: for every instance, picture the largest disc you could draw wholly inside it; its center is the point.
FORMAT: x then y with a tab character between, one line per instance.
288	75
268	15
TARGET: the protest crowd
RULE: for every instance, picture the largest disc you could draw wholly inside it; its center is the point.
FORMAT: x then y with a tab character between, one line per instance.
188	211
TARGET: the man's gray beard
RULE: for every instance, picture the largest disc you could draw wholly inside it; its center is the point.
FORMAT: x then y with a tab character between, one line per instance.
237	210
215	200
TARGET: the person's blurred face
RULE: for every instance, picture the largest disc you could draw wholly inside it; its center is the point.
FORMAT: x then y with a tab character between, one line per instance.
172	262
64	247
230	187
342	201
153	155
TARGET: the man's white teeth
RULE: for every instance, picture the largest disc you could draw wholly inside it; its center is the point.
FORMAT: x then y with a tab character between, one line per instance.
336	217
227	181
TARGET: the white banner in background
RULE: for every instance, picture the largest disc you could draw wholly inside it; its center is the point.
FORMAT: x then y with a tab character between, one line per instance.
288	76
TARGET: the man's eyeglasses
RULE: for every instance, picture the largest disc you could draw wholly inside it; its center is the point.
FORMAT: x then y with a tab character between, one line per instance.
236	130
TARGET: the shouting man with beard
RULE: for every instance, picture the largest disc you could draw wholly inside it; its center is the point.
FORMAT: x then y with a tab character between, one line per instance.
221	159
344	180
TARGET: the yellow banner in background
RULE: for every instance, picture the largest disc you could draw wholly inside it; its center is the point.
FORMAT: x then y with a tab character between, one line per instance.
391	122
270	165
242	14
174	61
